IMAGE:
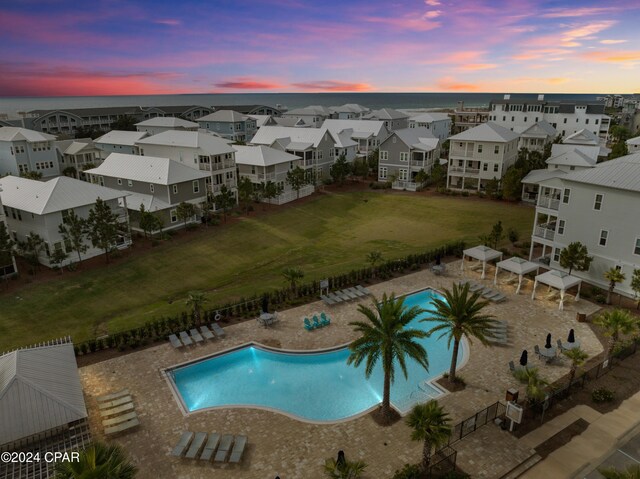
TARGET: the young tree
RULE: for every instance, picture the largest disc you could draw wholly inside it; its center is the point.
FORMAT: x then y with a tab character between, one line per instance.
575	256
497	233
148	222
511	184
195	301
430	424
340	170
491	188
614	276
225	200
31	249
32	175
635	284
70	171
245	192
422	177
102	226
185	211
74	231
57	258
374	257
6	246
360	168
577	357
292	276
271	190
297	178
343	470
438	175
372	161
536	386
615	323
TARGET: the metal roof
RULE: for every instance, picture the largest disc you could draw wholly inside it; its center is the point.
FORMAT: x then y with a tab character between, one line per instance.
266	135
540	129
573	157
486	132
386	114
581	137
14	133
349	108
77	146
229	116
429	117
207	143
622	173
120	137
151	202
536	176
168	122
262	155
417	138
376	127
39	390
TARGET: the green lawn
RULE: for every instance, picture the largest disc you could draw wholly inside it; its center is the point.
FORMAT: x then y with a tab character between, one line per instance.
326	235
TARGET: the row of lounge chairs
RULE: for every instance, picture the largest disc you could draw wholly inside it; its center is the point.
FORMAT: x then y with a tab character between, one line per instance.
499	332
193	445
196	336
317	323
346	294
487	293
118	412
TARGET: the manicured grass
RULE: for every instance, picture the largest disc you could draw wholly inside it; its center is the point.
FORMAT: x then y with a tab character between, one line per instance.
327	235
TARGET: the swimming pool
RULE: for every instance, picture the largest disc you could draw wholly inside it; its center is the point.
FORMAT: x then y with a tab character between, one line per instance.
317	386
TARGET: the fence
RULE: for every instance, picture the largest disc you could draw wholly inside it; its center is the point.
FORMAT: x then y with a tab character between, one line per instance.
479	419
443	461
52	342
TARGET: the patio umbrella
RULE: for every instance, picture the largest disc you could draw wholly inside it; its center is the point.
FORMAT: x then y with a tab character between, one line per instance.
523	358
572	337
341	461
265	304
548	343
438	260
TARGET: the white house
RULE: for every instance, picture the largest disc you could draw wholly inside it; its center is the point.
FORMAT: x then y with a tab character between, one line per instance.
118	141
75	156
23	150
348	111
158	124
536	136
480	154
366	134
597	207
393	119
633	144
40	207
438	123
312	115
230	124
585	137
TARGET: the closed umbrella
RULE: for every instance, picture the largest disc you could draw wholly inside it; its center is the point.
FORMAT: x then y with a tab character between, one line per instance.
572	337
548	343
265	304
523	358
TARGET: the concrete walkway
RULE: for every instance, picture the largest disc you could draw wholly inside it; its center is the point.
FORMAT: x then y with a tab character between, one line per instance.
585	452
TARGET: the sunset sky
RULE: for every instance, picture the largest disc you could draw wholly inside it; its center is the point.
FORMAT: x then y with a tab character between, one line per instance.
114	47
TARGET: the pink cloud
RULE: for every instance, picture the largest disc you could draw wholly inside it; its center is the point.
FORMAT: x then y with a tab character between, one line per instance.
451	84
587	30
432	3
248	84
331	85
169	22
577	12
409	22
478	66
613	56
612	42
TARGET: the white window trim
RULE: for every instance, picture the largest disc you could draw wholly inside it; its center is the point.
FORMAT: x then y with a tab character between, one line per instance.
386	172
564	227
635	245
174	188
173	214
196	186
568	196
606	240
595	200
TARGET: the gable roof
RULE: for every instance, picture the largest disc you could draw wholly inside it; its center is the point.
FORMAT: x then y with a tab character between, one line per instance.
581	137
590	151
120	137
57	194
147	169
14	133
386	114
348	108
267	135
428	117
297	122
536	176
309	110
77	146
540	129
417	138
262	119
208	143
489	131
168	122
39	390
229	116
371	127
622	173
573	157
262	155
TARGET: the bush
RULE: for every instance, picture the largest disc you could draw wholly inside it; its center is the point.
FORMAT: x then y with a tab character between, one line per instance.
465	193
513	235
409	471
601	395
600	298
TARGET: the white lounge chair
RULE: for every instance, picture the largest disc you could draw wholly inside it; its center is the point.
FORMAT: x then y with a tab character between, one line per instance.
119	419
122	427
327	300
218	331
112	396
184	337
115	402
210	447
197	337
117	410
361	288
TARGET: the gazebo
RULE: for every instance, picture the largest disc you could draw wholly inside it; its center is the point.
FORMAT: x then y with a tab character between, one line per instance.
481	253
518	266
559	280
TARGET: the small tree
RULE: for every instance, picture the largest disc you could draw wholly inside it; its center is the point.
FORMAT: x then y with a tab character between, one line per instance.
360	168
374	257
57	258
297	178
372	161
615	323
245	192
497	233
635	284
70	171
536	386
575	256
343	470
185	211
32	175
438	175
102	226
491	188
511	184
195	301
431	425
340	170
614	276
6	246
225	200
292	276
149	223
421	178
31	249
271	190
74	232
577	357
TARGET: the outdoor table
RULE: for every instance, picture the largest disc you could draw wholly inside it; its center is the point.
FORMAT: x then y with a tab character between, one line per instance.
265	319
574	345
548	353
437	269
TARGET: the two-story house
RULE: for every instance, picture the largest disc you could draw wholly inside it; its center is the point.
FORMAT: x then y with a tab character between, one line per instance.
404	154
348	111
75	156
158	124
536	136
480	154
597	207
438	123
262	164
230	124
312	115
366	134
40	207
23	150
160	184
393	119
118	141
8	266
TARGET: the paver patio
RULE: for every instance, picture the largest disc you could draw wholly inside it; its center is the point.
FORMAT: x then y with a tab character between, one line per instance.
294	449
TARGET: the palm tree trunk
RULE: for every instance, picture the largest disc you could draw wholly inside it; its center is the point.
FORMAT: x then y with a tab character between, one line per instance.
426	456
454	360
386	390
572	374
611	286
612	343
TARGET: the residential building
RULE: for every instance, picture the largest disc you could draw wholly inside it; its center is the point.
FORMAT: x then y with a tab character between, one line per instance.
629	117
199	150
480	154
565	116
405	153
262	120
75	156
230	124
23	150
158	124
9	267
262	164
118	141
393	119
291	122
348	111
633	144
312	115
585	137
160	184
250	109
465	118
316	146
40	207
536	136
598	208
438	123
366	134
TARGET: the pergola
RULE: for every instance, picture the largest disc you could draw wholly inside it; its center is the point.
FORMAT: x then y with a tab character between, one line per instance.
518	266
481	253
559	280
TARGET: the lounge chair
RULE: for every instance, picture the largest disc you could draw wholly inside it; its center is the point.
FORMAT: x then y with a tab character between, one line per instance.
498	298
115	402
348	294
175	342
335	298
358	294
362	289
122	426
218	331
196	445
206	332
197	337
307	325
238	448
184	337
112	396
327	300
342	296
223	449
512	366
210	446
117	410
118	419
325	319
475	287
489	293
184	441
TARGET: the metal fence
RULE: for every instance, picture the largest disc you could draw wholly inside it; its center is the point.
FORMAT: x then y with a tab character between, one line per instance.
443	461
479	419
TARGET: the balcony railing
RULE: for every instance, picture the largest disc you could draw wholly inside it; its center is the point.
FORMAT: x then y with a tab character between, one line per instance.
549	202
467	171
461	152
259	177
216	188
404	185
542	232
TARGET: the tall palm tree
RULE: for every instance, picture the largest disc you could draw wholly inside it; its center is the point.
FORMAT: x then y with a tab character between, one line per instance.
292	276
615	323
98	461
460	314
384	337
195	301
631	472
536	386
430	424
614	276
577	357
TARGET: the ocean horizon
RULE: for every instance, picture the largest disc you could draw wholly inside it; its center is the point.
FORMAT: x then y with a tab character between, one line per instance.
12	105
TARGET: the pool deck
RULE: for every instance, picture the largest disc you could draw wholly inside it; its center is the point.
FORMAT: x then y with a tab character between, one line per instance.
280	445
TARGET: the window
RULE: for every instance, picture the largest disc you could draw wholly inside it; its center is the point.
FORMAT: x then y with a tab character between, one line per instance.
604	234
564	120
383	173
384	155
479	148
151	187
65	215
119	181
129	183
525	119
561	224
403	175
565	196
394	140
556	255
598	203
101	180
404	156
196	186
175	189
586	122
67	246
496	150
495	167
596	121
636	248
485	166
174	215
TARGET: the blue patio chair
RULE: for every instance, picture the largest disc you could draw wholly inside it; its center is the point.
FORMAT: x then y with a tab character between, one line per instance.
307	324
316	322
325	320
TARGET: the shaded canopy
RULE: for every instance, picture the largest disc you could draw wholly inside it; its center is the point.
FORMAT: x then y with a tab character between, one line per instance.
518	266
481	253
558	280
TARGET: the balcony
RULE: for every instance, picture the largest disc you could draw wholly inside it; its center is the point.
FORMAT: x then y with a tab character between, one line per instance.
466	171
222	165
548	202
404	185
215	189
259	177
545	232
461	152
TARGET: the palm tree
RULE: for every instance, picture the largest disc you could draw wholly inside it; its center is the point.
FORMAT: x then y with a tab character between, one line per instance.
292	276
577	357
631	472
374	257
616	322
430	424
535	384
384	337
100	461
195	301
459	314
345	470
614	276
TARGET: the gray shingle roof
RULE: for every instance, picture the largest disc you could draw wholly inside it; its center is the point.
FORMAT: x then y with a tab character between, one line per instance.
486	132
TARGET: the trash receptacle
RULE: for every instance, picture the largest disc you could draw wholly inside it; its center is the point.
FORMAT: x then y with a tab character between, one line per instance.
512	395
581	317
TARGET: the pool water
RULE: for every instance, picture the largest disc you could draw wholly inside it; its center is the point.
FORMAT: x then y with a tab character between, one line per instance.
312	386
